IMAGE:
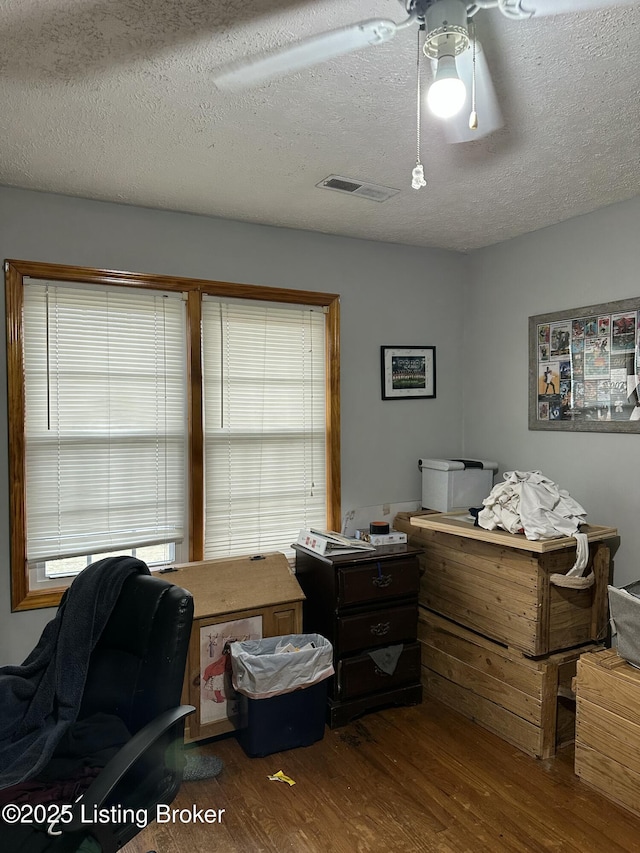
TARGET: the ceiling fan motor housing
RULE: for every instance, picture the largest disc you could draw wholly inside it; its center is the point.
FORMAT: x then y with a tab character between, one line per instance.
446	28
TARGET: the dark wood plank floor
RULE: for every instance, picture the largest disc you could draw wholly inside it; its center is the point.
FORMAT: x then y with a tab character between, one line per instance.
403	779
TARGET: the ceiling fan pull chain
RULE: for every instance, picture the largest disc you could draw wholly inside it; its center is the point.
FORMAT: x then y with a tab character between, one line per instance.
417	176
473	118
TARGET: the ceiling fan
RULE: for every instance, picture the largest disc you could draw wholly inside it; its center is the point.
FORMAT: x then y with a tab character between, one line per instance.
462	93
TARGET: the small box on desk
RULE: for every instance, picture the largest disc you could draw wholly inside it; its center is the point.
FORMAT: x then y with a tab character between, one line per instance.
282	722
393	537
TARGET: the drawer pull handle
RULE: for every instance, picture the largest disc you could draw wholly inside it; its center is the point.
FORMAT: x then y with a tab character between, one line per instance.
380	629
381	672
381	581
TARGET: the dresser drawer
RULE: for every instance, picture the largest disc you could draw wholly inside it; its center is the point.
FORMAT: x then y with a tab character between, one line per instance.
359	675
376	628
377	581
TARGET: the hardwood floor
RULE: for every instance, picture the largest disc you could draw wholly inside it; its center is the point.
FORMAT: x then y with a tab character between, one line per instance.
404	779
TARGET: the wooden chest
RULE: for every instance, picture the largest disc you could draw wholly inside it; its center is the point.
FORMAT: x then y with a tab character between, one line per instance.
608	727
501	586
526	702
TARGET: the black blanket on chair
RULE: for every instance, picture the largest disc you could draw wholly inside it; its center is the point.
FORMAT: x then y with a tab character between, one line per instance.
40	699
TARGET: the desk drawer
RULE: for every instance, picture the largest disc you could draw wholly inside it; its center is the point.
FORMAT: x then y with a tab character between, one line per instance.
376	628
377	581
359	675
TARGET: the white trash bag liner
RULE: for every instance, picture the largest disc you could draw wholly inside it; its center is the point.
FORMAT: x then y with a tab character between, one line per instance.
277	665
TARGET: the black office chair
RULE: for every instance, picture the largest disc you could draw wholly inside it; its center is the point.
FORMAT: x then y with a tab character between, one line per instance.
134	677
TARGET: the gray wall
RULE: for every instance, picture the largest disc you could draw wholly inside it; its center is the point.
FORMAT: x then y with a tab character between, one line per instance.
474	309
584	261
390	295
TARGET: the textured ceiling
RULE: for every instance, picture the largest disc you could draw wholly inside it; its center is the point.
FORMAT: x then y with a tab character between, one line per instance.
114	100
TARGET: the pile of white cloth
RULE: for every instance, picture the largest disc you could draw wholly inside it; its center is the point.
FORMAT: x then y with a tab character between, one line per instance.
528	502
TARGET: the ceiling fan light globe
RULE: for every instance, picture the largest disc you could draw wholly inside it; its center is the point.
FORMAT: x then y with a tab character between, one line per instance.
446	97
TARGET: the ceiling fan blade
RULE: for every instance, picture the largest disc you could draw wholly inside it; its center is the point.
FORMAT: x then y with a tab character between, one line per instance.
539	8
456	129
304	54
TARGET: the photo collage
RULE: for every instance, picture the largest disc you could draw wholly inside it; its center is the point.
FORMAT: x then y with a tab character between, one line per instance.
589	368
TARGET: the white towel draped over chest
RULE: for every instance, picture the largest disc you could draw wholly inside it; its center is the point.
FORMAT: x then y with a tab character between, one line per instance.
528	502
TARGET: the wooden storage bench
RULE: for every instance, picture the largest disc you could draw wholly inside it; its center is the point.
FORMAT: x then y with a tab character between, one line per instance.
608	727
234	599
526	702
499	584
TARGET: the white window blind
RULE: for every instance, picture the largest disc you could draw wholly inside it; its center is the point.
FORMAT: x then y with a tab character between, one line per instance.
105	420
264	425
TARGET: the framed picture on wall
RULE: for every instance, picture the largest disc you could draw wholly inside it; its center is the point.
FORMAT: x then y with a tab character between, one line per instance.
408	373
584	368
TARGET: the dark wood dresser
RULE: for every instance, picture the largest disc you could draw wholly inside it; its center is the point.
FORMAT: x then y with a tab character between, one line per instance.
365	603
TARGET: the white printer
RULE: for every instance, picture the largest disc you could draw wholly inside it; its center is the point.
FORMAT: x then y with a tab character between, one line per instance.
455	484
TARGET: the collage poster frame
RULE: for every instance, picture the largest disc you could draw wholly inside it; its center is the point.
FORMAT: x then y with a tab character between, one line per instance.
584	368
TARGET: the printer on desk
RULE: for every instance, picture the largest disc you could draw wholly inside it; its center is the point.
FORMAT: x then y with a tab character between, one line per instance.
455	484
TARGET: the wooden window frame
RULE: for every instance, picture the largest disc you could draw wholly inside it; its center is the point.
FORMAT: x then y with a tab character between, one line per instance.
22	598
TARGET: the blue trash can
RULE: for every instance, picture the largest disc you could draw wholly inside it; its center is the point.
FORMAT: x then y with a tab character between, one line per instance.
282	682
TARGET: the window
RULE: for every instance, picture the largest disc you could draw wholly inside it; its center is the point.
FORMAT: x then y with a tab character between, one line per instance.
64	567
164	418
264	424
105	419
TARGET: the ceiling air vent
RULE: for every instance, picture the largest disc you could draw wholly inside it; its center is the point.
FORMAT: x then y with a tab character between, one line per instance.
347	185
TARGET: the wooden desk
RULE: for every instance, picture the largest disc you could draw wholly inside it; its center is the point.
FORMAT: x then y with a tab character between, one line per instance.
234	599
